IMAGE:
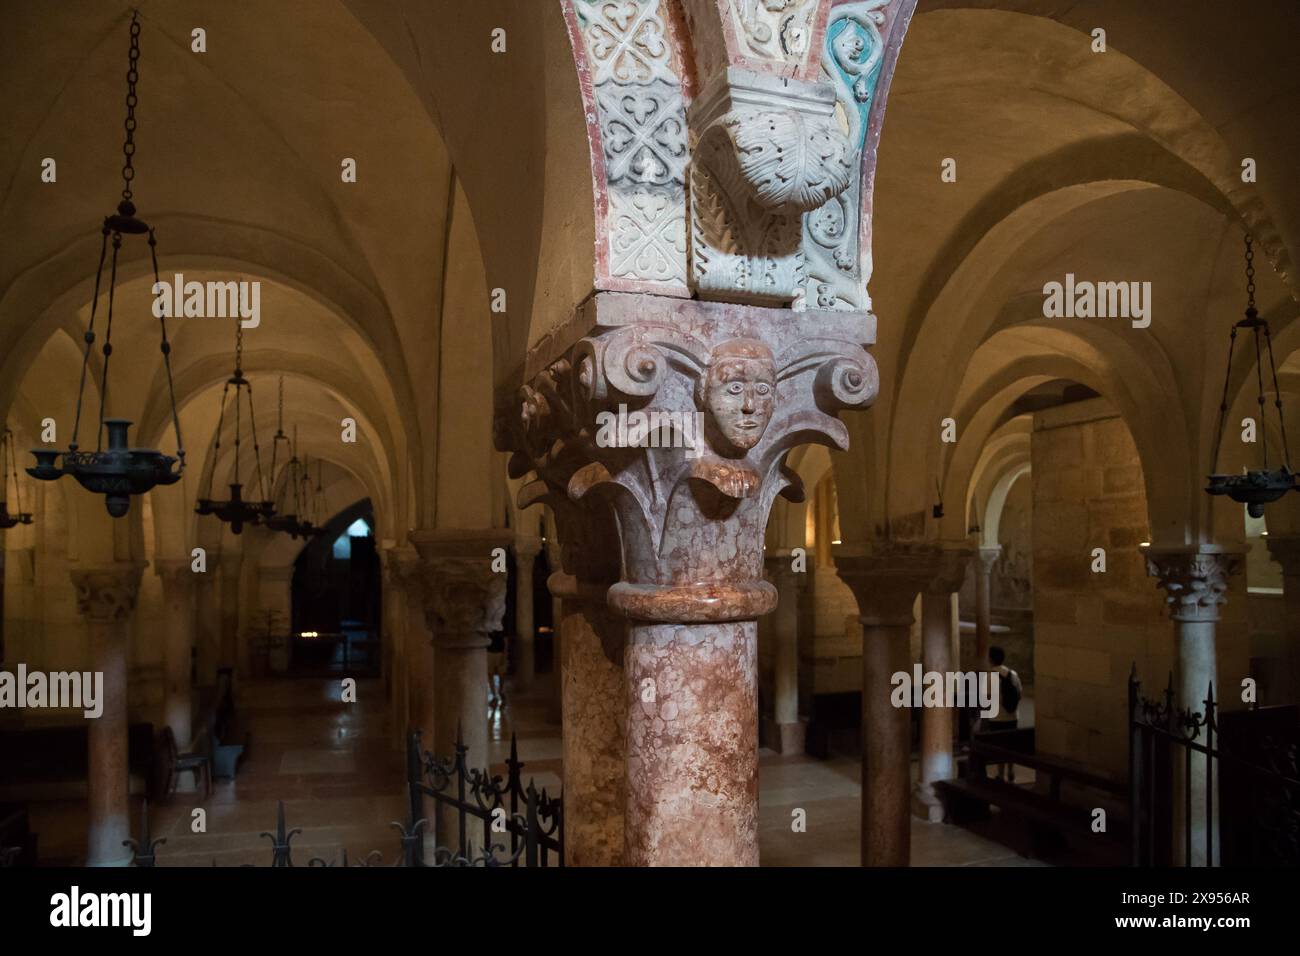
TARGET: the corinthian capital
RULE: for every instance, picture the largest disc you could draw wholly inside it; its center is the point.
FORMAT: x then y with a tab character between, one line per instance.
107	594
676	416
1195	582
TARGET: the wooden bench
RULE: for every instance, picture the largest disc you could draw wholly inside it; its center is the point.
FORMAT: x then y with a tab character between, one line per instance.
51	762
1050	821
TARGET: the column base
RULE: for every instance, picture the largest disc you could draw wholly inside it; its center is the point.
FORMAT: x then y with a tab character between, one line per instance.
785	739
926	804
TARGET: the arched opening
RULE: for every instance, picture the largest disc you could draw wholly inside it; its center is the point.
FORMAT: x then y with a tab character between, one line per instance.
336	599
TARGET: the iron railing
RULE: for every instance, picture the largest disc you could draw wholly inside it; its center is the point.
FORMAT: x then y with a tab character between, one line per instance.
520	826
1257	776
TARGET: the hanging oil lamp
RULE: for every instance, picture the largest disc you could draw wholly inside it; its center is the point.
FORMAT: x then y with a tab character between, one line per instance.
9	467
1259	486
285	517
236	511
309	501
117	471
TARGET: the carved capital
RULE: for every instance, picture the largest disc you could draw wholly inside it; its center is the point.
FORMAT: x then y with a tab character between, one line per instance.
985	558
886	577
951	570
676	416
464	598
1195	582
173	570
107	594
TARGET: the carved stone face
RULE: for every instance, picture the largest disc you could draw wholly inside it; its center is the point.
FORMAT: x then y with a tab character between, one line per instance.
740	391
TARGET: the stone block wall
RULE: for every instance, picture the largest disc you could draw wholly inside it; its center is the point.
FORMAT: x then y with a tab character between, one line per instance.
1090	628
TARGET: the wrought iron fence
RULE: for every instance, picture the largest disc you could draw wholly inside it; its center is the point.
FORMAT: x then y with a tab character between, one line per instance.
1256	777
520	826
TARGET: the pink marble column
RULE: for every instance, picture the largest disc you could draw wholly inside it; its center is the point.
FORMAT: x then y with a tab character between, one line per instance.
985	558
594	722
885	580
736	387
178	610
106	599
936	758
526	551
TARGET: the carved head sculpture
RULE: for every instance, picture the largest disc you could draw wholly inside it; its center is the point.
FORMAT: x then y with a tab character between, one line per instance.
738	389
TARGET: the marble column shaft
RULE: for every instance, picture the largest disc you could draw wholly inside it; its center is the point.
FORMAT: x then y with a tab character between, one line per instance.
1195	582
526	551
787	727
885	580
985	558
178	606
106	598
464	602
936	756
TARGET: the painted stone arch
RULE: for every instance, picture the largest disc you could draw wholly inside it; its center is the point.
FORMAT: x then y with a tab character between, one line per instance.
685	99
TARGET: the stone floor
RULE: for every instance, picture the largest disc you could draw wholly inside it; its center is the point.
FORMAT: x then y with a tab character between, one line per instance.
334	766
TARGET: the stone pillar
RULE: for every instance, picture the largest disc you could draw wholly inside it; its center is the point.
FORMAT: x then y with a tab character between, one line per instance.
1285	550
594	722
788	731
985	558
464	602
412	579
1195	583
936	759
737	388
207	626
106	599
726	328
234	652
526	550
555	703
885	580
178	609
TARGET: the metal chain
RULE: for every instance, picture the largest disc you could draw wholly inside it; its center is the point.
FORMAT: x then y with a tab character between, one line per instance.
1250	273
132	76
239	347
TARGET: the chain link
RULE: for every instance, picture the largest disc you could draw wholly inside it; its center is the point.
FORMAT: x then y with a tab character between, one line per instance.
1250	272
132	76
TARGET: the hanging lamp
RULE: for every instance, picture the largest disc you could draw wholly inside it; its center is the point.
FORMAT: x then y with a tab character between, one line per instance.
286	509
8	468
1258	486
117	472
310	523
236	511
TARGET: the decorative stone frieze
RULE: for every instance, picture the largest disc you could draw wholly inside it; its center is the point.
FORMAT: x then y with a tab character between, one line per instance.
631	84
733	144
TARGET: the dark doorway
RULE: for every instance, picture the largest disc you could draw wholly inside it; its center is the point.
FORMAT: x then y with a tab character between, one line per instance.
337	599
